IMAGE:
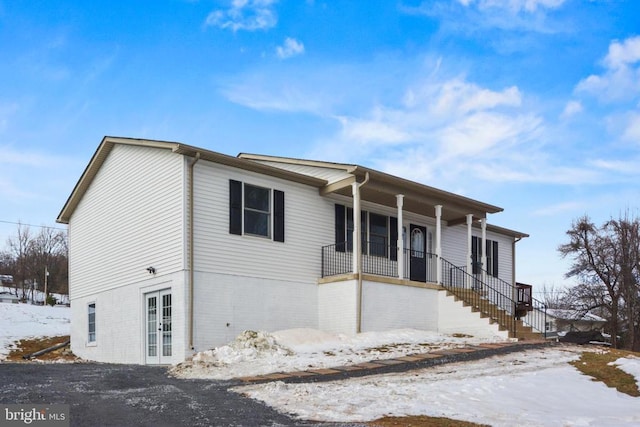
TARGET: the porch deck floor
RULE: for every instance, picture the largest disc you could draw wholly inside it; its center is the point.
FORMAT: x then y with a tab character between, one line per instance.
399	364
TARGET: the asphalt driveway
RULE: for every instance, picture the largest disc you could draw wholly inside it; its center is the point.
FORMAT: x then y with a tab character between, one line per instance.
132	395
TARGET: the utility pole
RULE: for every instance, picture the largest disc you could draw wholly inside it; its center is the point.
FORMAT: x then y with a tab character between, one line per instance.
46	277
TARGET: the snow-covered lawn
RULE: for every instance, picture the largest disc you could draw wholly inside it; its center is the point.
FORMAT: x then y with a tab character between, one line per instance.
19	321
257	353
533	388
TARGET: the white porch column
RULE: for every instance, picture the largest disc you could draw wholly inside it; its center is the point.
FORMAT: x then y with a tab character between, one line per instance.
355	191
469	266
483	259
400	242
438	244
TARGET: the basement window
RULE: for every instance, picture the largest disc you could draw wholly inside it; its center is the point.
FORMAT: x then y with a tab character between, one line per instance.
92	323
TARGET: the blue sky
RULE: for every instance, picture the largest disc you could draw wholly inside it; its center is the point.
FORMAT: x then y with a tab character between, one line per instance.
532	105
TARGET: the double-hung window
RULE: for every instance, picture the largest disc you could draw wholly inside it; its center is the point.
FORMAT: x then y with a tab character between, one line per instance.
91	338
256	211
378	234
491	248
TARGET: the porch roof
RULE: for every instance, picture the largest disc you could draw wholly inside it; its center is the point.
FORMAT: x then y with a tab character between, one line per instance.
382	189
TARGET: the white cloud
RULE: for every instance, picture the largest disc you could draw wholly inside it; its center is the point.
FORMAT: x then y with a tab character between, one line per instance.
291	47
372	131
248	15
629	166
514	5
632	130
478	133
508	21
622	54
621	78
571	109
439	127
553	210
459	97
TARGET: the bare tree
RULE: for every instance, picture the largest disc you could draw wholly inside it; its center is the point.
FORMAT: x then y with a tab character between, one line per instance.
606	261
19	251
554	297
30	257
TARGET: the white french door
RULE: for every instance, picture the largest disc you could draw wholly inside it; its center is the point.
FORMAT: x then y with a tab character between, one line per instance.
158	332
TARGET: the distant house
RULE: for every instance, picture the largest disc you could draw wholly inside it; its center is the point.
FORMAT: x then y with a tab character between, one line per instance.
175	249
560	321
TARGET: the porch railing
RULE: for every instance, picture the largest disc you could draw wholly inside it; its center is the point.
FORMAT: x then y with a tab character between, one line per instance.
376	260
492	295
336	260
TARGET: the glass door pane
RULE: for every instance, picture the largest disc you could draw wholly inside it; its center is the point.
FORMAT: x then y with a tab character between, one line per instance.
152	328
166	325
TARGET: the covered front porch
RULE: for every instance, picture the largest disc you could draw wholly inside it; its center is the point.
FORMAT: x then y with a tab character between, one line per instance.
399	238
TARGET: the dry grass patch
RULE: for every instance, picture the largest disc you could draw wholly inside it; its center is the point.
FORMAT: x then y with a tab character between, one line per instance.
31	345
421	421
597	365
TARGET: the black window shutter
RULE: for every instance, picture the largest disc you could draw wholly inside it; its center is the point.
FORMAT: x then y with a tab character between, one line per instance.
495	259
235	207
393	237
278	215
340	228
475	255
363	231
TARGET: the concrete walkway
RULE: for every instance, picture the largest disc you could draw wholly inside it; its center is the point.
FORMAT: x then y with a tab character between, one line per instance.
399	364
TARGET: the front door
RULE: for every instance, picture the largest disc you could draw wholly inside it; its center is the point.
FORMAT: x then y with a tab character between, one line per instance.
158	333
417	253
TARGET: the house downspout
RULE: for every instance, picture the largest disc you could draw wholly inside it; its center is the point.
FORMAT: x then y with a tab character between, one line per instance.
191	249
357	187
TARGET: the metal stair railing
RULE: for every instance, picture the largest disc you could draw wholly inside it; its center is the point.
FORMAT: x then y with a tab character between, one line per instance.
535	317
481	296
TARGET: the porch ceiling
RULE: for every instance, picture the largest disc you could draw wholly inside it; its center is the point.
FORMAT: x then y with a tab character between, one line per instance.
418	198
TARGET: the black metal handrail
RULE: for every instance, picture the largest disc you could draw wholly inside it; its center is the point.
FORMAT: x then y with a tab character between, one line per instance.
535	316
481	296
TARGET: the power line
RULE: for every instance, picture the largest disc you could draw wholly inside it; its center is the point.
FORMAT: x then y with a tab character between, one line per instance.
32	225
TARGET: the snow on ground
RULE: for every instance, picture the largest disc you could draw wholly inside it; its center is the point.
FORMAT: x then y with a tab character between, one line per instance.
534	388
19	321
257	353
630	365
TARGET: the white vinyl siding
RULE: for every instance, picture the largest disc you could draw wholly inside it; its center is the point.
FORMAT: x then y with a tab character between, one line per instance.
308	226
129	219
454	249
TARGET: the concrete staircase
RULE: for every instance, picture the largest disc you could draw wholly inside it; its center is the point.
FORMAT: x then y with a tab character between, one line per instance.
505	321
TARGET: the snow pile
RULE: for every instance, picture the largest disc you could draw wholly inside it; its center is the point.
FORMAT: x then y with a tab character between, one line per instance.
536	387
248	346
21	321
258	353
630	365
